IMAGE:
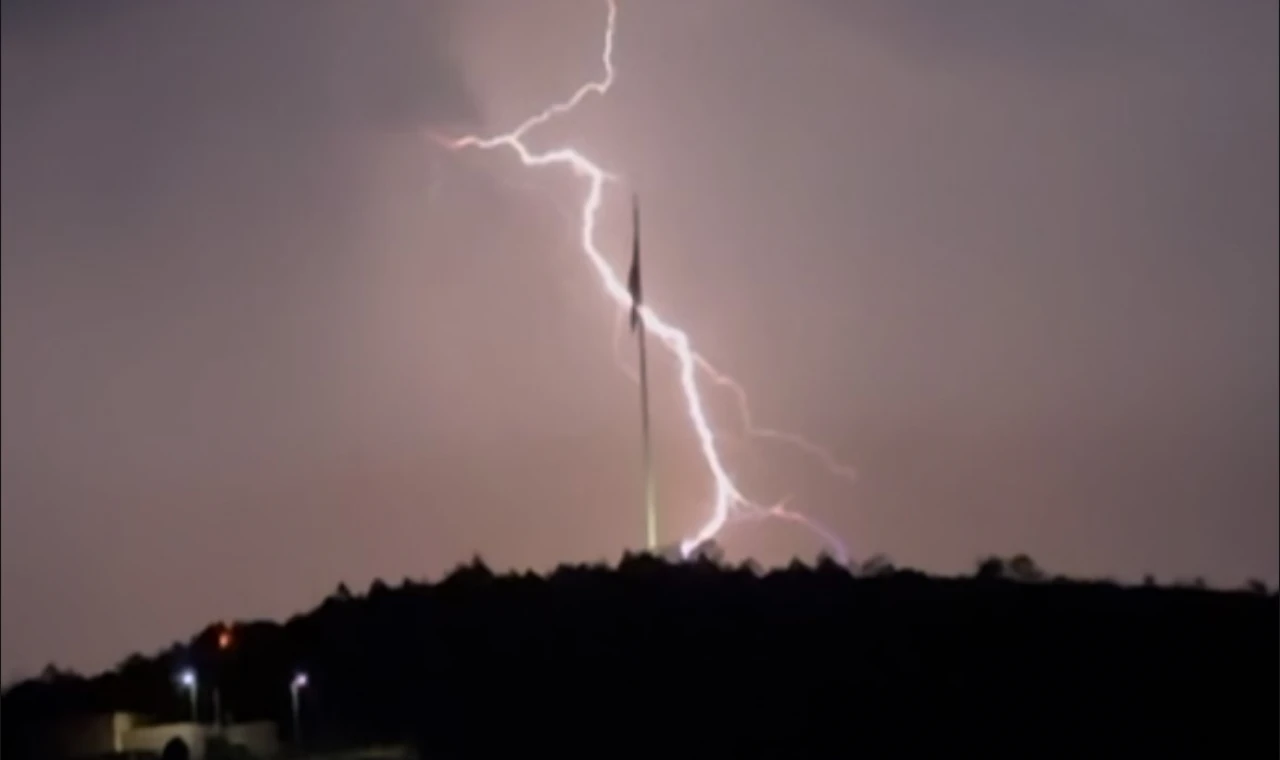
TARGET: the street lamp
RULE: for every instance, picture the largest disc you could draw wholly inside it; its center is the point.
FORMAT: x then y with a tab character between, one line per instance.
187	680
295	688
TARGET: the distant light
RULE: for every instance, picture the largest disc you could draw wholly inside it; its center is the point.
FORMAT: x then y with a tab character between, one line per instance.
187	678
300	681
224	639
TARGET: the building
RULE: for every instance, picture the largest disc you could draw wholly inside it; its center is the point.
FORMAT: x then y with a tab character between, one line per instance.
124	733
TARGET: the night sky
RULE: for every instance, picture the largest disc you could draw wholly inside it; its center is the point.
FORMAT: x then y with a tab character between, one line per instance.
1014	261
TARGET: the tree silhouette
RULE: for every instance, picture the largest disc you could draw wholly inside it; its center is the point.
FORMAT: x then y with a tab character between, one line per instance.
876	565
1023	568
803	658
710	552
991	568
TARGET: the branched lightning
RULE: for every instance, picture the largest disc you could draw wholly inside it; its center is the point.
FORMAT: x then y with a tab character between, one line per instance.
728	504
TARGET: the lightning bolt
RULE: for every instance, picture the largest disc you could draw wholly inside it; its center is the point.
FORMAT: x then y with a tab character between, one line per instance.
729	504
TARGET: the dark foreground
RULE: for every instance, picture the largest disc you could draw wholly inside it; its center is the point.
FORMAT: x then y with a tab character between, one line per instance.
690	659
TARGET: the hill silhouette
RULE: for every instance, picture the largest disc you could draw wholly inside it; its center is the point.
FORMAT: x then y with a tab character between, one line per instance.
693	657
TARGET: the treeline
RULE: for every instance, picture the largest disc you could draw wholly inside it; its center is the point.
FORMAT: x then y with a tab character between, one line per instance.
678	657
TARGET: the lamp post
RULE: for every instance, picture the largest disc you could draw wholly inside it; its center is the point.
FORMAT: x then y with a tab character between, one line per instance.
187	680
295	689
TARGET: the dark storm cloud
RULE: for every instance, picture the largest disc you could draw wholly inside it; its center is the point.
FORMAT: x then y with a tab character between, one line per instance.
1055	36
994	32
128	110
294	66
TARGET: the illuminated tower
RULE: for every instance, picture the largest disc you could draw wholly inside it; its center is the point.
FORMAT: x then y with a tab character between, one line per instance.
638	327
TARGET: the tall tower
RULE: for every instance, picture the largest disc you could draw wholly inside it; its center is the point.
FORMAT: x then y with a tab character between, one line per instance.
638	327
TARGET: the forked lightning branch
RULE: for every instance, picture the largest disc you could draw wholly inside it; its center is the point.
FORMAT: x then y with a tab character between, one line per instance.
728	503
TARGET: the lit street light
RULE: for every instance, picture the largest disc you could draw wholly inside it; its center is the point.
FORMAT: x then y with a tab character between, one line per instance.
187	680
295	688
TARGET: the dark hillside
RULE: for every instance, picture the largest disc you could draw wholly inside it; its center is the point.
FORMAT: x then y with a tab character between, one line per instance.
673	657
